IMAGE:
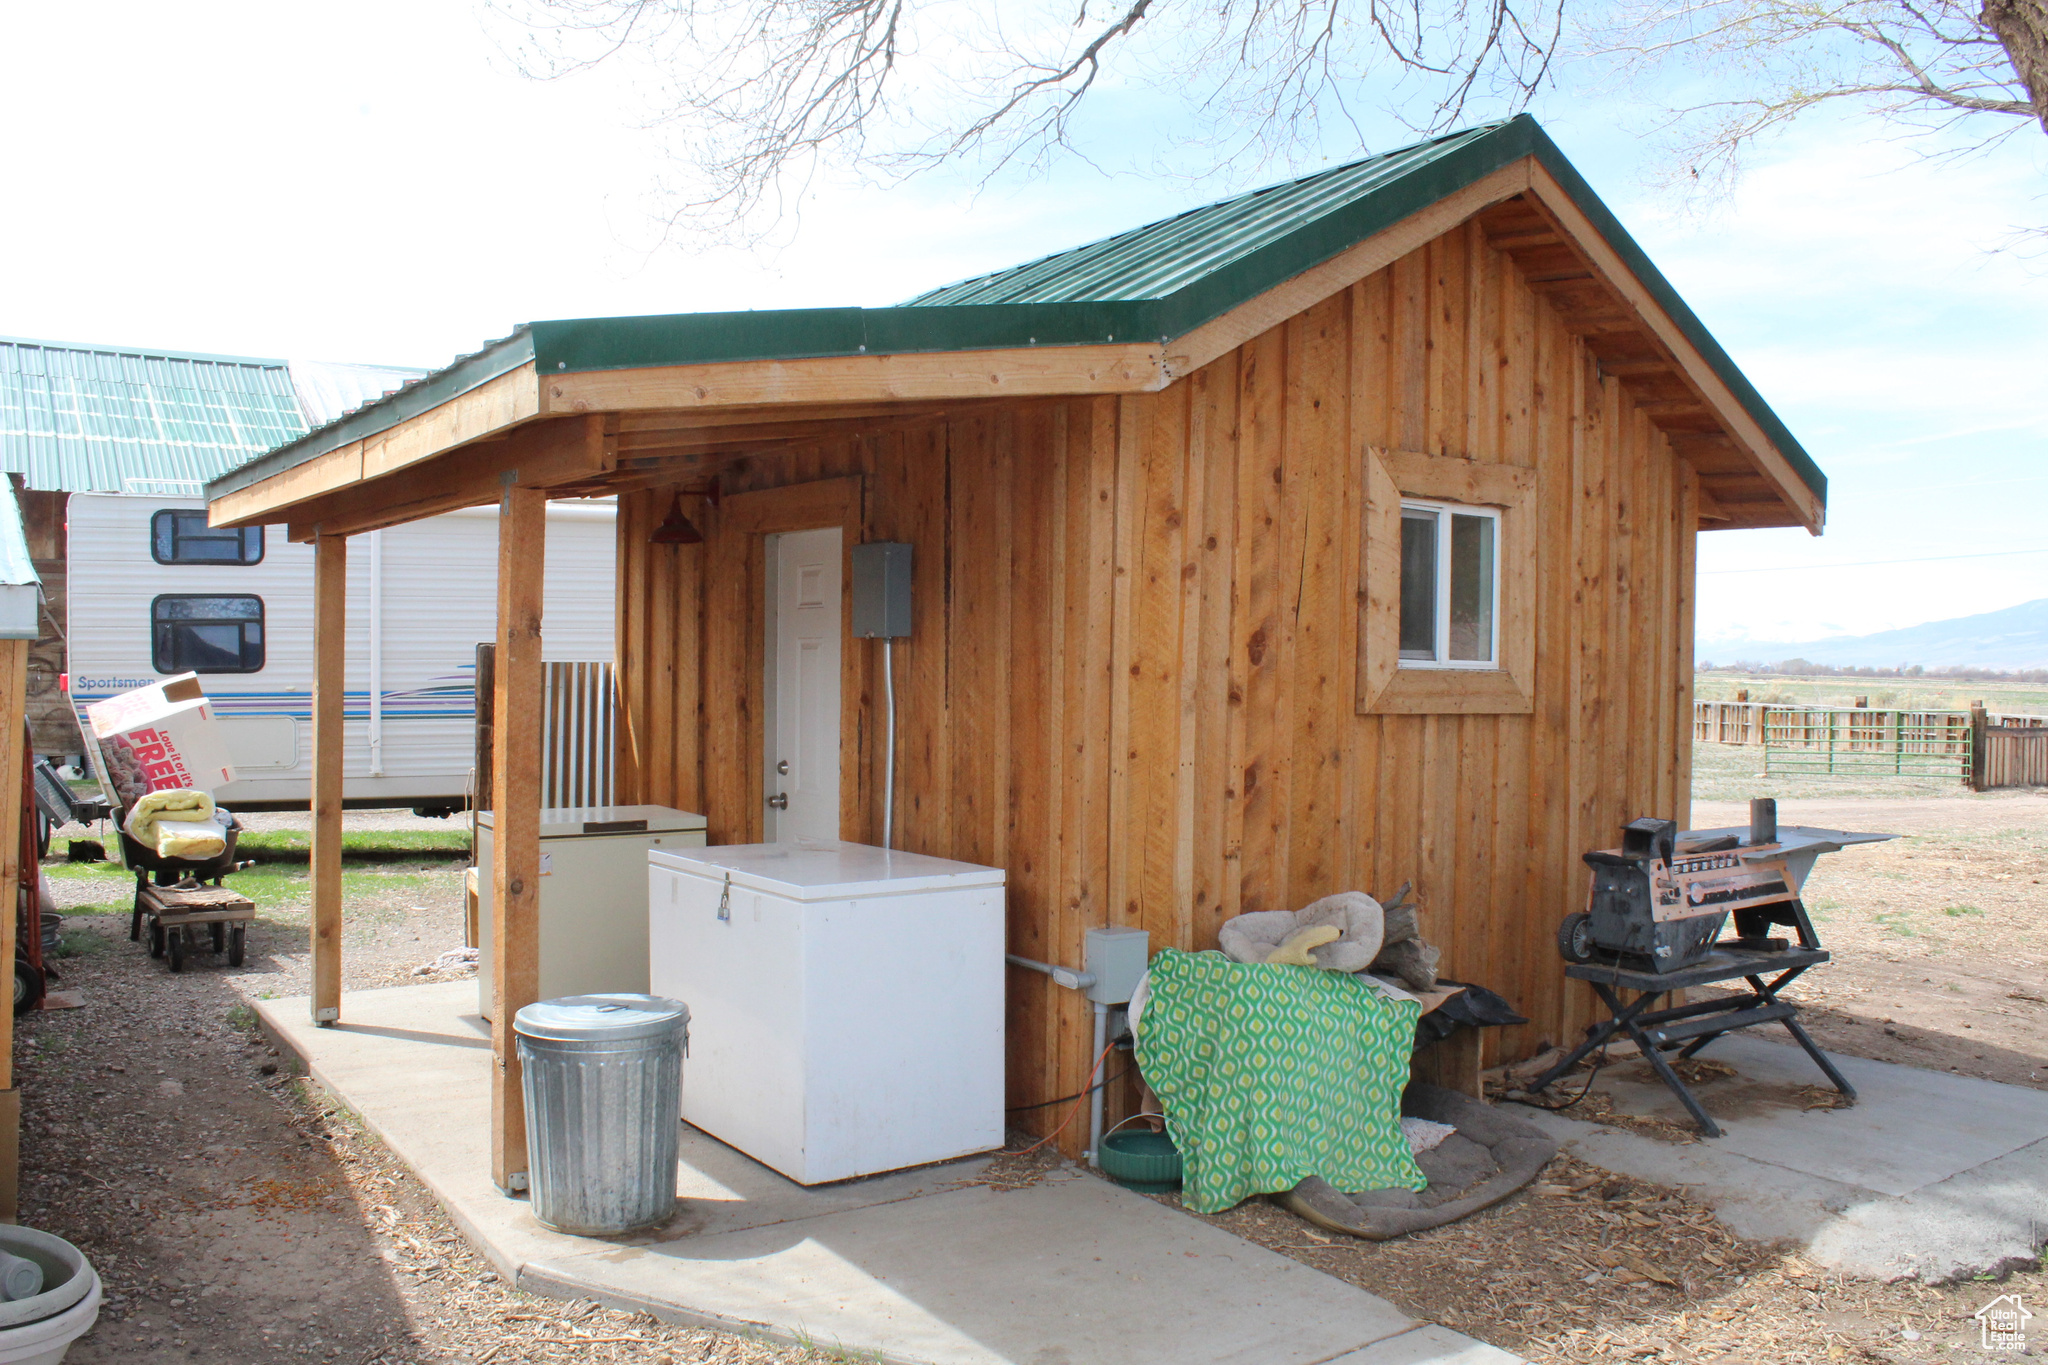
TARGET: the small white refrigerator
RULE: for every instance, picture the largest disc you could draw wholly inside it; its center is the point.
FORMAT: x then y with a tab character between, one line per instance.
846	1002
593	895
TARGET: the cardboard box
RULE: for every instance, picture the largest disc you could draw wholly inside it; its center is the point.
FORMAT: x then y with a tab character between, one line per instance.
160	738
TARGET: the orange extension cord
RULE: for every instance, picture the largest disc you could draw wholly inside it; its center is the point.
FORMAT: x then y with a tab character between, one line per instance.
1079	1100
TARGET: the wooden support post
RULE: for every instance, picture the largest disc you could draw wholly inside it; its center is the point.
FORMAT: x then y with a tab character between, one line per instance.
1980	741
1453	1063
13	754
515	813
330	679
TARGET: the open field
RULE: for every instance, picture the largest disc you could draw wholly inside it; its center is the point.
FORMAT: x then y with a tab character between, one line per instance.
1920	694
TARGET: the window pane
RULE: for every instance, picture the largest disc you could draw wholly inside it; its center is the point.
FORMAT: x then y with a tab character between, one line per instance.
207	648
207	634
1471	588
1418	585
209	608
183	537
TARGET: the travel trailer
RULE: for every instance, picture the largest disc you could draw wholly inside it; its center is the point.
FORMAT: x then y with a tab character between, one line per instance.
154	591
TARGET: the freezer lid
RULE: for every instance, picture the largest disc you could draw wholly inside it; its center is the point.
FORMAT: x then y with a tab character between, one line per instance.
585	821
821	869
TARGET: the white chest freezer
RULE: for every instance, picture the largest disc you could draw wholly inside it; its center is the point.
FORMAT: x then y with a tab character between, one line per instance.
593	896
846	1002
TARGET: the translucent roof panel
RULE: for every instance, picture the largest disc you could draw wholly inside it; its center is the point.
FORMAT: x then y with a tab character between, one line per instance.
103	419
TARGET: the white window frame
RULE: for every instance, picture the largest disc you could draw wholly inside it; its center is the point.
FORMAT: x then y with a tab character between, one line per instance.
1443	512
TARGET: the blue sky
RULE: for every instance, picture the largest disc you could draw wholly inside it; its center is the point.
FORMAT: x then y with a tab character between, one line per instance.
374	183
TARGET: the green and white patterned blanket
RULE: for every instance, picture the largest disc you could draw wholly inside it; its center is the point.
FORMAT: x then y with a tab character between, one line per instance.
1271	1074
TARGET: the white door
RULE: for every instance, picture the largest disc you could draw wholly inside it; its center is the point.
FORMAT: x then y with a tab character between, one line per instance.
804	627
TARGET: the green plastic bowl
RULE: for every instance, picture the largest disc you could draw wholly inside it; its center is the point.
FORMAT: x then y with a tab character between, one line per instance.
1142	1160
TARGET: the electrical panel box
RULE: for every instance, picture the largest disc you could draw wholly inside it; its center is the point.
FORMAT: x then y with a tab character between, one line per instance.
1116	959
881	590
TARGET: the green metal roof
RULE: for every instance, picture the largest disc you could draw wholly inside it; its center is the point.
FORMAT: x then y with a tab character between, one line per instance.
1152	283
16	568
1158	260
106	419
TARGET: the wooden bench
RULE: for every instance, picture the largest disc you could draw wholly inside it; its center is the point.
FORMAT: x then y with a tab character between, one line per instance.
174	912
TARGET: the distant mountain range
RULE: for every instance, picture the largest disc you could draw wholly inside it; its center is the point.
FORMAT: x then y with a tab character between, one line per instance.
2016	637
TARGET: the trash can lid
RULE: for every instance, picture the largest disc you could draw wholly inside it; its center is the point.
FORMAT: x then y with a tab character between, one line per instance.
593	1018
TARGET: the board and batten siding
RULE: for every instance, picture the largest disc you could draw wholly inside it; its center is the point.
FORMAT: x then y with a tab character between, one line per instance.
1133	677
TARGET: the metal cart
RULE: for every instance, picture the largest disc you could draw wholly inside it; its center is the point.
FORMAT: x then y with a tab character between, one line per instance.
176	913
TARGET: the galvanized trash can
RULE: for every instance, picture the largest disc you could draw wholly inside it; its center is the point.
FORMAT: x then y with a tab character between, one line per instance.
604	1100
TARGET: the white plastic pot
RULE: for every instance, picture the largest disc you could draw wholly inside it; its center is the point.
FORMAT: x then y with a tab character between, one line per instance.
45	1341
39	1330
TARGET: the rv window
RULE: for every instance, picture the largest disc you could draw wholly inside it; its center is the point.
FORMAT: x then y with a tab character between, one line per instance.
190	633
177	536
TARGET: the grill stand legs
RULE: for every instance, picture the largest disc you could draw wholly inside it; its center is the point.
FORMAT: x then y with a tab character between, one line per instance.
1696	1026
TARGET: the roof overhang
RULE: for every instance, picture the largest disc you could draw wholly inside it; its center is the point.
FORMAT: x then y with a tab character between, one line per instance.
673	390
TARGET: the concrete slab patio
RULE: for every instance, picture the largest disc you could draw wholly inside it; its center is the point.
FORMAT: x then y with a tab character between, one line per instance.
926	1267
1929	1174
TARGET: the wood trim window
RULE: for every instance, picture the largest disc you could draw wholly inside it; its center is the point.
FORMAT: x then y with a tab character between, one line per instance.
1450	585
1447	615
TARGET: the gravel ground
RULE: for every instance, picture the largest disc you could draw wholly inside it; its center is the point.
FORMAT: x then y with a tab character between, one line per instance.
401	911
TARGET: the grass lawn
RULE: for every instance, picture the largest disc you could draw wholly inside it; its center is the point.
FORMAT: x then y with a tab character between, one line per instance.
383	872
375	845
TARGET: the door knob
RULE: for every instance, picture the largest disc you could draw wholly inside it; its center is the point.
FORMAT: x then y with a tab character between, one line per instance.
783	766
780	800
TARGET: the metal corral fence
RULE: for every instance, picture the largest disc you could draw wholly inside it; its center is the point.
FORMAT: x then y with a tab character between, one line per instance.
1984	748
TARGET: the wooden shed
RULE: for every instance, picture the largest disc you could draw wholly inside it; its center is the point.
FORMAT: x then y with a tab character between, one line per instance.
1332	536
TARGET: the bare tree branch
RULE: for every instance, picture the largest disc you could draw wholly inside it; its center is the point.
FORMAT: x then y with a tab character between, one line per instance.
1913	63
757	94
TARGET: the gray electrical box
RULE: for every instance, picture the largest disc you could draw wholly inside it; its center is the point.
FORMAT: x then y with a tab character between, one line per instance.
1116	959
881	590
